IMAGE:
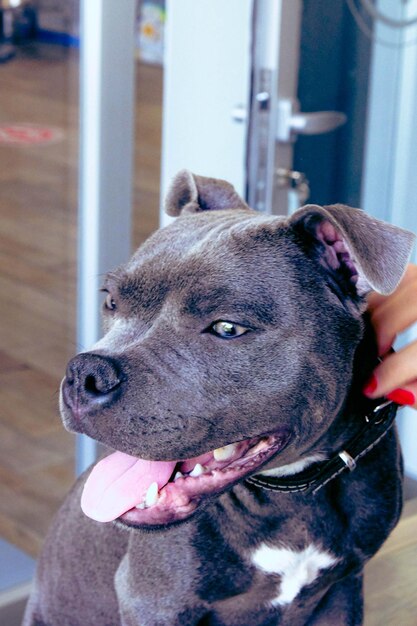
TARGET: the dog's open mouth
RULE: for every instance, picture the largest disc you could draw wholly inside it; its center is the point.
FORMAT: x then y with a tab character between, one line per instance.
150	493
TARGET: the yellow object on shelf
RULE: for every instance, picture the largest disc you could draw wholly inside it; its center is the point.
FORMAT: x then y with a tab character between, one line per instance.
151	32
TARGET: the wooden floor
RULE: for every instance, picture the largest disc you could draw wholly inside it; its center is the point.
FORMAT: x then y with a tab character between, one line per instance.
38	208
391	576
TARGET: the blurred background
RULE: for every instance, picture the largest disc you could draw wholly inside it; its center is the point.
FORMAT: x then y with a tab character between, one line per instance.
101	102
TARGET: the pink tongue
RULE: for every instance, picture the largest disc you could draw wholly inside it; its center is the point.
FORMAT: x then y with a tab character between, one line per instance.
119	482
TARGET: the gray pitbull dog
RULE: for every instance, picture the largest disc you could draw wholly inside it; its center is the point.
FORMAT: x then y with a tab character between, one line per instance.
228	384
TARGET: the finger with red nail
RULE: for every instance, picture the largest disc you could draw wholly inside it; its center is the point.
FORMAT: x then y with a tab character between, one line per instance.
396	376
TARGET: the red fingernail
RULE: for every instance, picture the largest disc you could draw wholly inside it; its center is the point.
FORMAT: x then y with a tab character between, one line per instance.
402	396
370	386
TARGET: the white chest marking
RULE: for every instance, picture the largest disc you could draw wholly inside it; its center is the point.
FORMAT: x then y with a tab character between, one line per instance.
296	568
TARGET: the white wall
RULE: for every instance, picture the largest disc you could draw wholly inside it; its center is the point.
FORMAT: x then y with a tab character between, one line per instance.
207	73
390	182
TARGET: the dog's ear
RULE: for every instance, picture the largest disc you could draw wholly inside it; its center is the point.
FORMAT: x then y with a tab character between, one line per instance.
361	253
190	193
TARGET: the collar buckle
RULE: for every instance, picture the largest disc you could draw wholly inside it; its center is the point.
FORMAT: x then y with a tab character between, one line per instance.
373	416
348	460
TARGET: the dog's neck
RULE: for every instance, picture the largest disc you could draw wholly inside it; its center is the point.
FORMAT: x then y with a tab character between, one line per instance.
311	478
359	426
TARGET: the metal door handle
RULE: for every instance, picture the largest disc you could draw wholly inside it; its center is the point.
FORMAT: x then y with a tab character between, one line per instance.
291	122
317	123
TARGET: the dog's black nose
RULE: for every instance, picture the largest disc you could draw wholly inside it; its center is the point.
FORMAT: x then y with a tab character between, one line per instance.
91	380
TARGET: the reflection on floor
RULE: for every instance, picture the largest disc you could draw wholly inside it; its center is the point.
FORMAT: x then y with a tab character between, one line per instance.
38	204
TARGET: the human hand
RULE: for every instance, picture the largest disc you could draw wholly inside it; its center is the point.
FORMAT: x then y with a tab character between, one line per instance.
396	376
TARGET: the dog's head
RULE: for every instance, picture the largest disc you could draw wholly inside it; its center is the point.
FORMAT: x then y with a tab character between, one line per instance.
229	345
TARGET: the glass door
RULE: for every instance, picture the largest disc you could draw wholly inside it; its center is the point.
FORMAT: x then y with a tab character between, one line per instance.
38	244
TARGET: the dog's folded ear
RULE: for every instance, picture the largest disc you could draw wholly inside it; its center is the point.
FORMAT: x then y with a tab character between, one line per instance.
361	252
190	193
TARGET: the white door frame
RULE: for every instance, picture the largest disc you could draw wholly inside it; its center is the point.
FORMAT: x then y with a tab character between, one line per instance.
107	44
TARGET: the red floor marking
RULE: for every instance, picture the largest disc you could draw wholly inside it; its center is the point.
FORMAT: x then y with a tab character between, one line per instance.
29	134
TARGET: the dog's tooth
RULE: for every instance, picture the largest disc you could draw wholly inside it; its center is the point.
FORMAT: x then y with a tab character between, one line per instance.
225	453
178	475
142	505
151	496
197	471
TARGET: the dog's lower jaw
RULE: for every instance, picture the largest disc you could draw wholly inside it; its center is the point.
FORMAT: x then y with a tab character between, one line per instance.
182	495
169	509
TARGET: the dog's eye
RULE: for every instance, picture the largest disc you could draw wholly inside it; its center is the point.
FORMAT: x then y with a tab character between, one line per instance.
109	302
227	330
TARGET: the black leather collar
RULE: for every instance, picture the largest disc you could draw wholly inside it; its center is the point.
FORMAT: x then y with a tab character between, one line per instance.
376	424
